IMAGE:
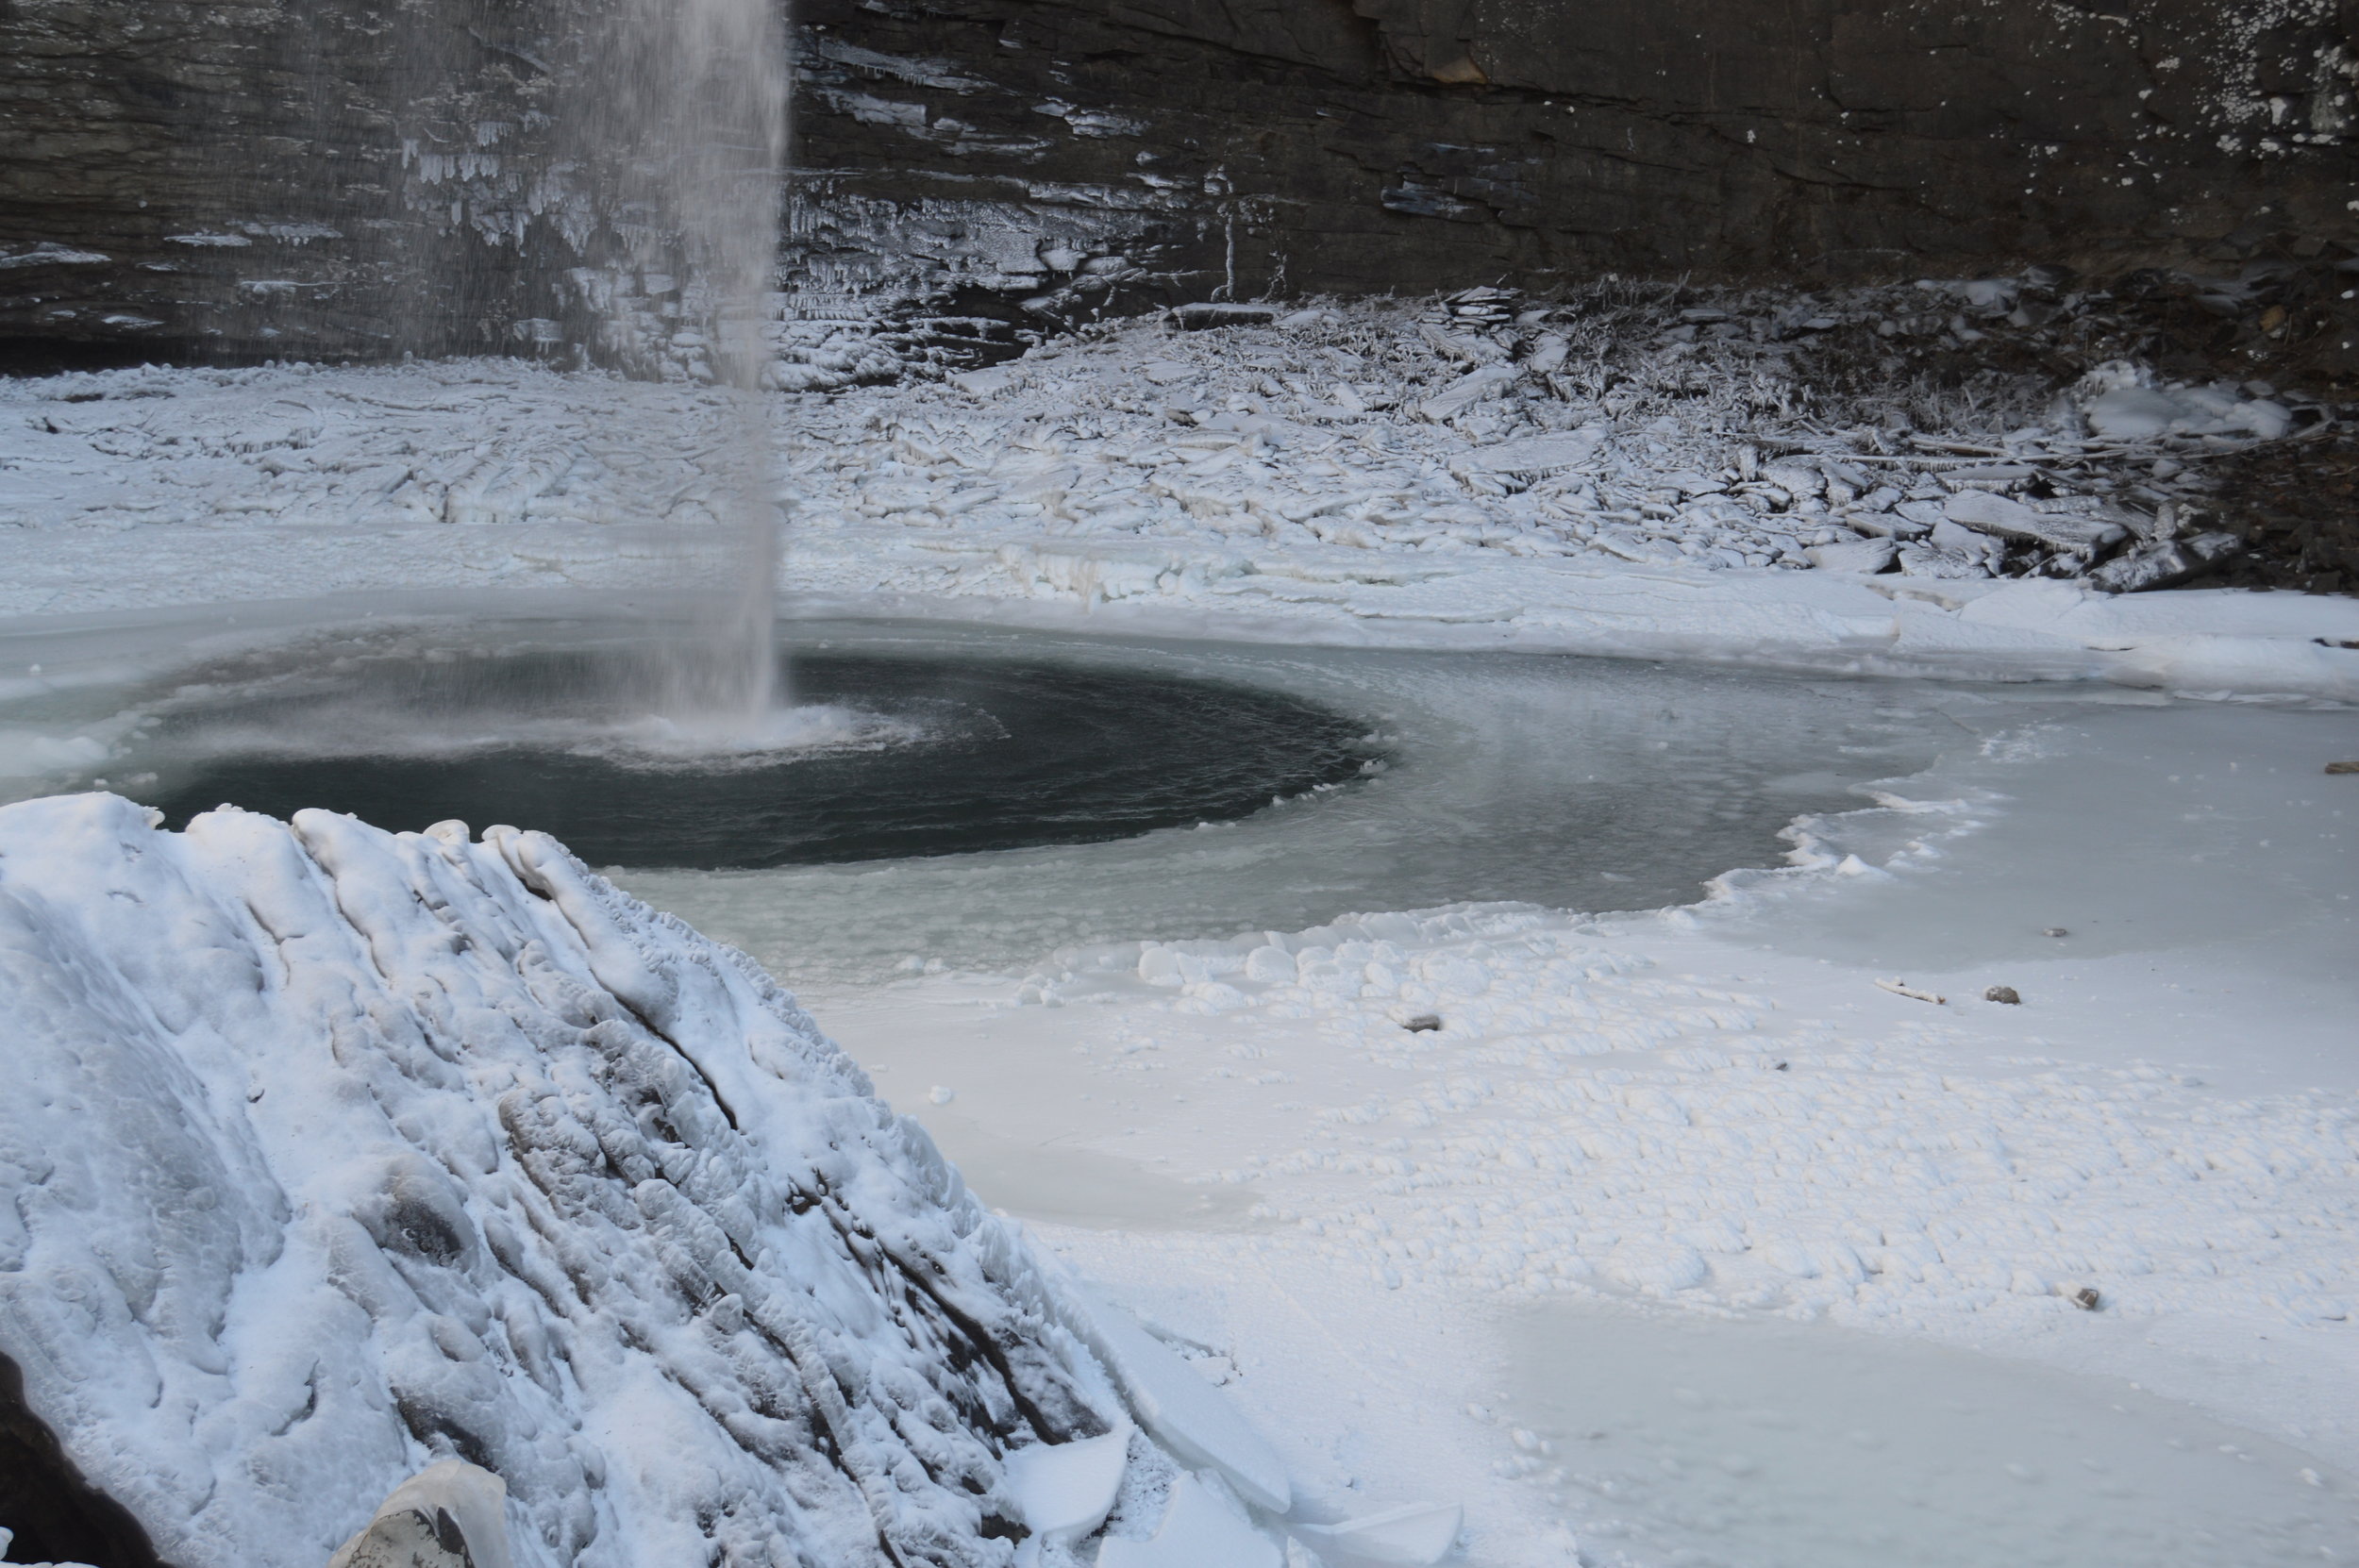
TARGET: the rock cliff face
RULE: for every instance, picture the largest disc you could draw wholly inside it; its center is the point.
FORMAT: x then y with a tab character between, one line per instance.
257	178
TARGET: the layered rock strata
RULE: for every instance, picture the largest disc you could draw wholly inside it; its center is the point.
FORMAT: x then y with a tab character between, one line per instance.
355	177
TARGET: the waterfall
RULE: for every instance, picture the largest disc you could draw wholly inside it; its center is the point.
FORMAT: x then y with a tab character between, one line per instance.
674	126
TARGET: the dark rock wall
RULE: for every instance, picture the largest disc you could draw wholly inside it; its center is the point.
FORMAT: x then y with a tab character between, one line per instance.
1086	155
1413	144
52	1512
257	177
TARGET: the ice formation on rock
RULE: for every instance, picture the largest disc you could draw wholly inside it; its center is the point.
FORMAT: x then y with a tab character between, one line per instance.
332	1153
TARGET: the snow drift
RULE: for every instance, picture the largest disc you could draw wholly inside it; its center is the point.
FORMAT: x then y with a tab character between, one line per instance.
331	1153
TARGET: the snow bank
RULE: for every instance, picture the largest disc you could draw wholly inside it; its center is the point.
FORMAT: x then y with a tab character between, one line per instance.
331	1153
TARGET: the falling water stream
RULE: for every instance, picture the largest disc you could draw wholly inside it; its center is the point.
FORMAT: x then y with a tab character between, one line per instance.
675	123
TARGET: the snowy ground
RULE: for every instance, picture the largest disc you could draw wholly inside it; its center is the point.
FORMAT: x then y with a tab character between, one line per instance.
1694	1126
1360	476
1719	1113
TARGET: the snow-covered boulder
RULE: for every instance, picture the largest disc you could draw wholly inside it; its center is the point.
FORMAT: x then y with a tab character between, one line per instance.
326	1154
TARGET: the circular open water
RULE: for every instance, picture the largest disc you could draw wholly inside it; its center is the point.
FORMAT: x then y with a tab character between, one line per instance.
978	798
887	754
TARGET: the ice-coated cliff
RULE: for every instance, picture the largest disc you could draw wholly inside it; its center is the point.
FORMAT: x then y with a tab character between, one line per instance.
327	1153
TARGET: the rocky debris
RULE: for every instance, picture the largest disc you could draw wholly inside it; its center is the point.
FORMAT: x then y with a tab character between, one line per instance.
1195	318
2007	994
1573	427
1717	427
2294	508
1900	988
2087	1298
2343	767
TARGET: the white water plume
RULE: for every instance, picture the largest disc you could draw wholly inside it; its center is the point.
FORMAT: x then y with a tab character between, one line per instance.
676	122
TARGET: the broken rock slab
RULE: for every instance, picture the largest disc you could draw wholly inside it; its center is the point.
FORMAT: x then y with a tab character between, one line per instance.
450	1515
1987	514
2163	562
1862	555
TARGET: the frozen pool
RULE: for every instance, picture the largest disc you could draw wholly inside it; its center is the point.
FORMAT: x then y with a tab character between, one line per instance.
1310	782
1681	1444
1571	782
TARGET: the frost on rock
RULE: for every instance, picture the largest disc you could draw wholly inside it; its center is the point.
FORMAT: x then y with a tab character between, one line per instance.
330	1154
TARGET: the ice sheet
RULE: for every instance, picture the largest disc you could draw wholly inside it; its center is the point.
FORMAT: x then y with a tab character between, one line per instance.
1774	1444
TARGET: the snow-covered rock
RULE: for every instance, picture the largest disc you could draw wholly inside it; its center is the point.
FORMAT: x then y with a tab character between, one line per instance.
329	1153
450	1515
2144	412
1996	515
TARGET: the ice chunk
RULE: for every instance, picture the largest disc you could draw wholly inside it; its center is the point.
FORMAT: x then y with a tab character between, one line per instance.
1065	1489
1540	453
1467	391
2132	413
450	1515
1410	1536
2163	562
2142	414
984	383
1186	1414
1197	1532
1858	555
